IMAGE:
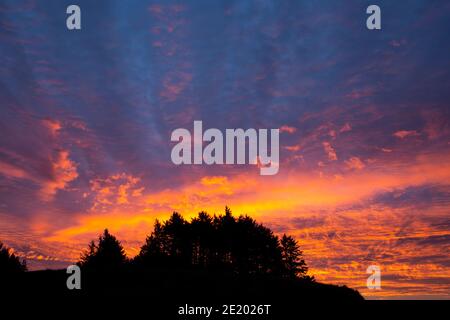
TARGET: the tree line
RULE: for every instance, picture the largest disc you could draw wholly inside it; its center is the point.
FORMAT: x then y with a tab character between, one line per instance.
224	242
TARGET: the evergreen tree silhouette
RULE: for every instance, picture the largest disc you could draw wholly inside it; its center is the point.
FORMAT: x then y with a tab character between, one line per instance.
226	242
108	254
176	240
292	257
9	262
153	252
203	242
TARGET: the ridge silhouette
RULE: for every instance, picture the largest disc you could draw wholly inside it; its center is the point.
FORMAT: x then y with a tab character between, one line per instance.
209	258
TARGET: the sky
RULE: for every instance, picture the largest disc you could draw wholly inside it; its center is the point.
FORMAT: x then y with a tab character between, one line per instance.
86	118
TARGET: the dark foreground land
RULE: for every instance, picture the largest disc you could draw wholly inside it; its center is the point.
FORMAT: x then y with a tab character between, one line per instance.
179	284
164	291
210	260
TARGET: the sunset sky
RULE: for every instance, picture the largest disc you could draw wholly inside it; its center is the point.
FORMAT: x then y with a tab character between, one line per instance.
364	118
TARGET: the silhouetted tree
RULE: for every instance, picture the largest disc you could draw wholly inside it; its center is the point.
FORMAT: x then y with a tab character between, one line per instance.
9	262
203	242
153	252
292	257
176	239
108	254
225	226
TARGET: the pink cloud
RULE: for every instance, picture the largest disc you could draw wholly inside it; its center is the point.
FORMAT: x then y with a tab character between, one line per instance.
293	148
288	129
357	94
397	43
345	128
437	124
329	150
406	133
174	84
12	171
155	9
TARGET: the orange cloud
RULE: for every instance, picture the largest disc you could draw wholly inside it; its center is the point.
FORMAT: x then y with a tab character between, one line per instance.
52	125
293	148
64	171
115	189
287	194
355	163
318	210
214	180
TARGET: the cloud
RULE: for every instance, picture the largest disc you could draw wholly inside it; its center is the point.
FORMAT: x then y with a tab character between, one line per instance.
437	124
249	194
288	129
345	128
329	150
355	163
63	172
12	171
207	181
174	84
117	189
300	223
52	125
406	133
361	93
293	148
